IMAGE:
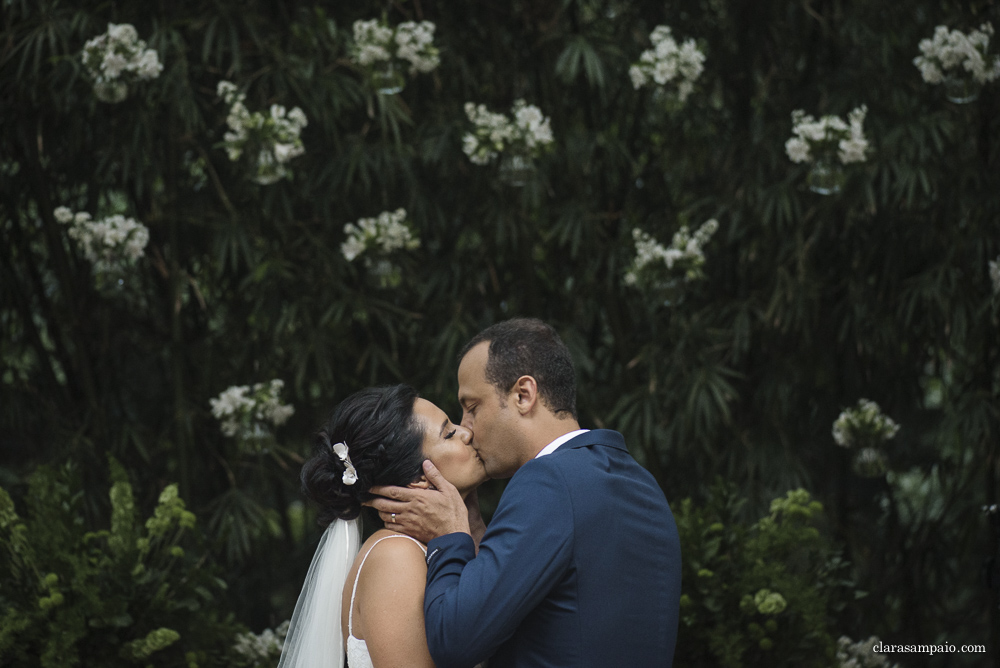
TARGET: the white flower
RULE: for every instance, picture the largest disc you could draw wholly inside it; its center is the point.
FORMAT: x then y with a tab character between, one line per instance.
415	45
827	136
148	66
371	53
812	131
682	260
863	426
269	170
113	65
354	246
638	77
372	32
931	73
116	60
410	42
852	150
493	133
248	412
285	152
664	71
63	214
378	239
385	234
533	126
955	51
797	149
860	654
263	648
135	245
123	33
297	118
226	90
470	146
108	242
660	35
269	407
231	401
275	137
668	63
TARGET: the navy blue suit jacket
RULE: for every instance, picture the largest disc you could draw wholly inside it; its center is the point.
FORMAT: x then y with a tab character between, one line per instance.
580	566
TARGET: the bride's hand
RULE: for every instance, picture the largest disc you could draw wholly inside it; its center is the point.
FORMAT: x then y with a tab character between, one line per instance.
422	513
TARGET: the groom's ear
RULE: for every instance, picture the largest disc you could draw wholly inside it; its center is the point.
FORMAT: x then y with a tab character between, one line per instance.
525	394
420	484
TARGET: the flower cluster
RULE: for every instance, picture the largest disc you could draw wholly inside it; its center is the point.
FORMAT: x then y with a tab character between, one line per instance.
684	257
106	243
668	62
248	412
261	649
995	275
860	654
415	45
378	238
117	59
864	426
527	130
376	43
769	602
865	429
797	503
269	141
950	52
170	511
817	138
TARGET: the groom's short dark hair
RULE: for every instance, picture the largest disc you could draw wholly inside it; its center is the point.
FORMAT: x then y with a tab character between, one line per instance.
529	347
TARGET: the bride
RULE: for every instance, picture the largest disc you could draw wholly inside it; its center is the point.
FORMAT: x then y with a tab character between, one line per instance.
374	596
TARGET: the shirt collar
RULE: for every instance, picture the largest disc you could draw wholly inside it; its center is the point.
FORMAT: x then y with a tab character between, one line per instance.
551	447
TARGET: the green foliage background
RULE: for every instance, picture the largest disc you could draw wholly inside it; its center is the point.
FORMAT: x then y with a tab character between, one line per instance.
113	597
808	304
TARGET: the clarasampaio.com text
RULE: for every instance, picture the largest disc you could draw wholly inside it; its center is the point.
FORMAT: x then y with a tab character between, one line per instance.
885	648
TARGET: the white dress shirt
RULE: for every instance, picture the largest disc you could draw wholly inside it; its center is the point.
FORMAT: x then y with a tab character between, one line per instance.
551	447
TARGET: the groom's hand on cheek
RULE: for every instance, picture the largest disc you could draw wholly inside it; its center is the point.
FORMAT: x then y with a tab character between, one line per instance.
422	513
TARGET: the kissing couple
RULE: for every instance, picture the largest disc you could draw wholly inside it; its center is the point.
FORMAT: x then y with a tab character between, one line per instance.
580	565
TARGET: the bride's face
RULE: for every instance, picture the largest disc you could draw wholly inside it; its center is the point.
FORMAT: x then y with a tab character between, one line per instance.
447	446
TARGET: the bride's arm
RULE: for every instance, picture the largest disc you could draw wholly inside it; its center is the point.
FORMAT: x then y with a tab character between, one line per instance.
390	605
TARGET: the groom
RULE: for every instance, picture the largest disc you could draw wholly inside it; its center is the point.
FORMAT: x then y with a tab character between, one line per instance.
581	563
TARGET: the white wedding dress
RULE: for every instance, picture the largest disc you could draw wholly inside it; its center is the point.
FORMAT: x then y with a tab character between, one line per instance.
357	649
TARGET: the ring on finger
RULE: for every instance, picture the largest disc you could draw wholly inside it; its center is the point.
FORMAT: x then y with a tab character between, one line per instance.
393	518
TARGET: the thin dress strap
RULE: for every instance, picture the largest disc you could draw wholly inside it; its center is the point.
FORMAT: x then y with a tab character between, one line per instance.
357	576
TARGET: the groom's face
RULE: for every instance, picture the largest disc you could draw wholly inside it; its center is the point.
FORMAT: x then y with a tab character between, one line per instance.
488	418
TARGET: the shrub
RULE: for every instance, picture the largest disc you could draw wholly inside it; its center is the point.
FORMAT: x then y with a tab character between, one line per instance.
137	593
756	595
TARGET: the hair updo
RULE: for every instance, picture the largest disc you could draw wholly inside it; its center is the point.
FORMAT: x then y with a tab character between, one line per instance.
384	441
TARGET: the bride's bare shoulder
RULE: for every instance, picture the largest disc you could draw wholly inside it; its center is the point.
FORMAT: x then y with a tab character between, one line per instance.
398	551
393	577
390	603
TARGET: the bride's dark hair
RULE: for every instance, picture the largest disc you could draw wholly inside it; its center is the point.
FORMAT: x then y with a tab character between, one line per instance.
384	441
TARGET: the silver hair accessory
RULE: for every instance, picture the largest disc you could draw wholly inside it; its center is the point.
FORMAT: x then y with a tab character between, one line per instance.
350	475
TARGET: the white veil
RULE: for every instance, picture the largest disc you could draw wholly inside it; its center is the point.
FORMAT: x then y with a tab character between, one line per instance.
314	637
